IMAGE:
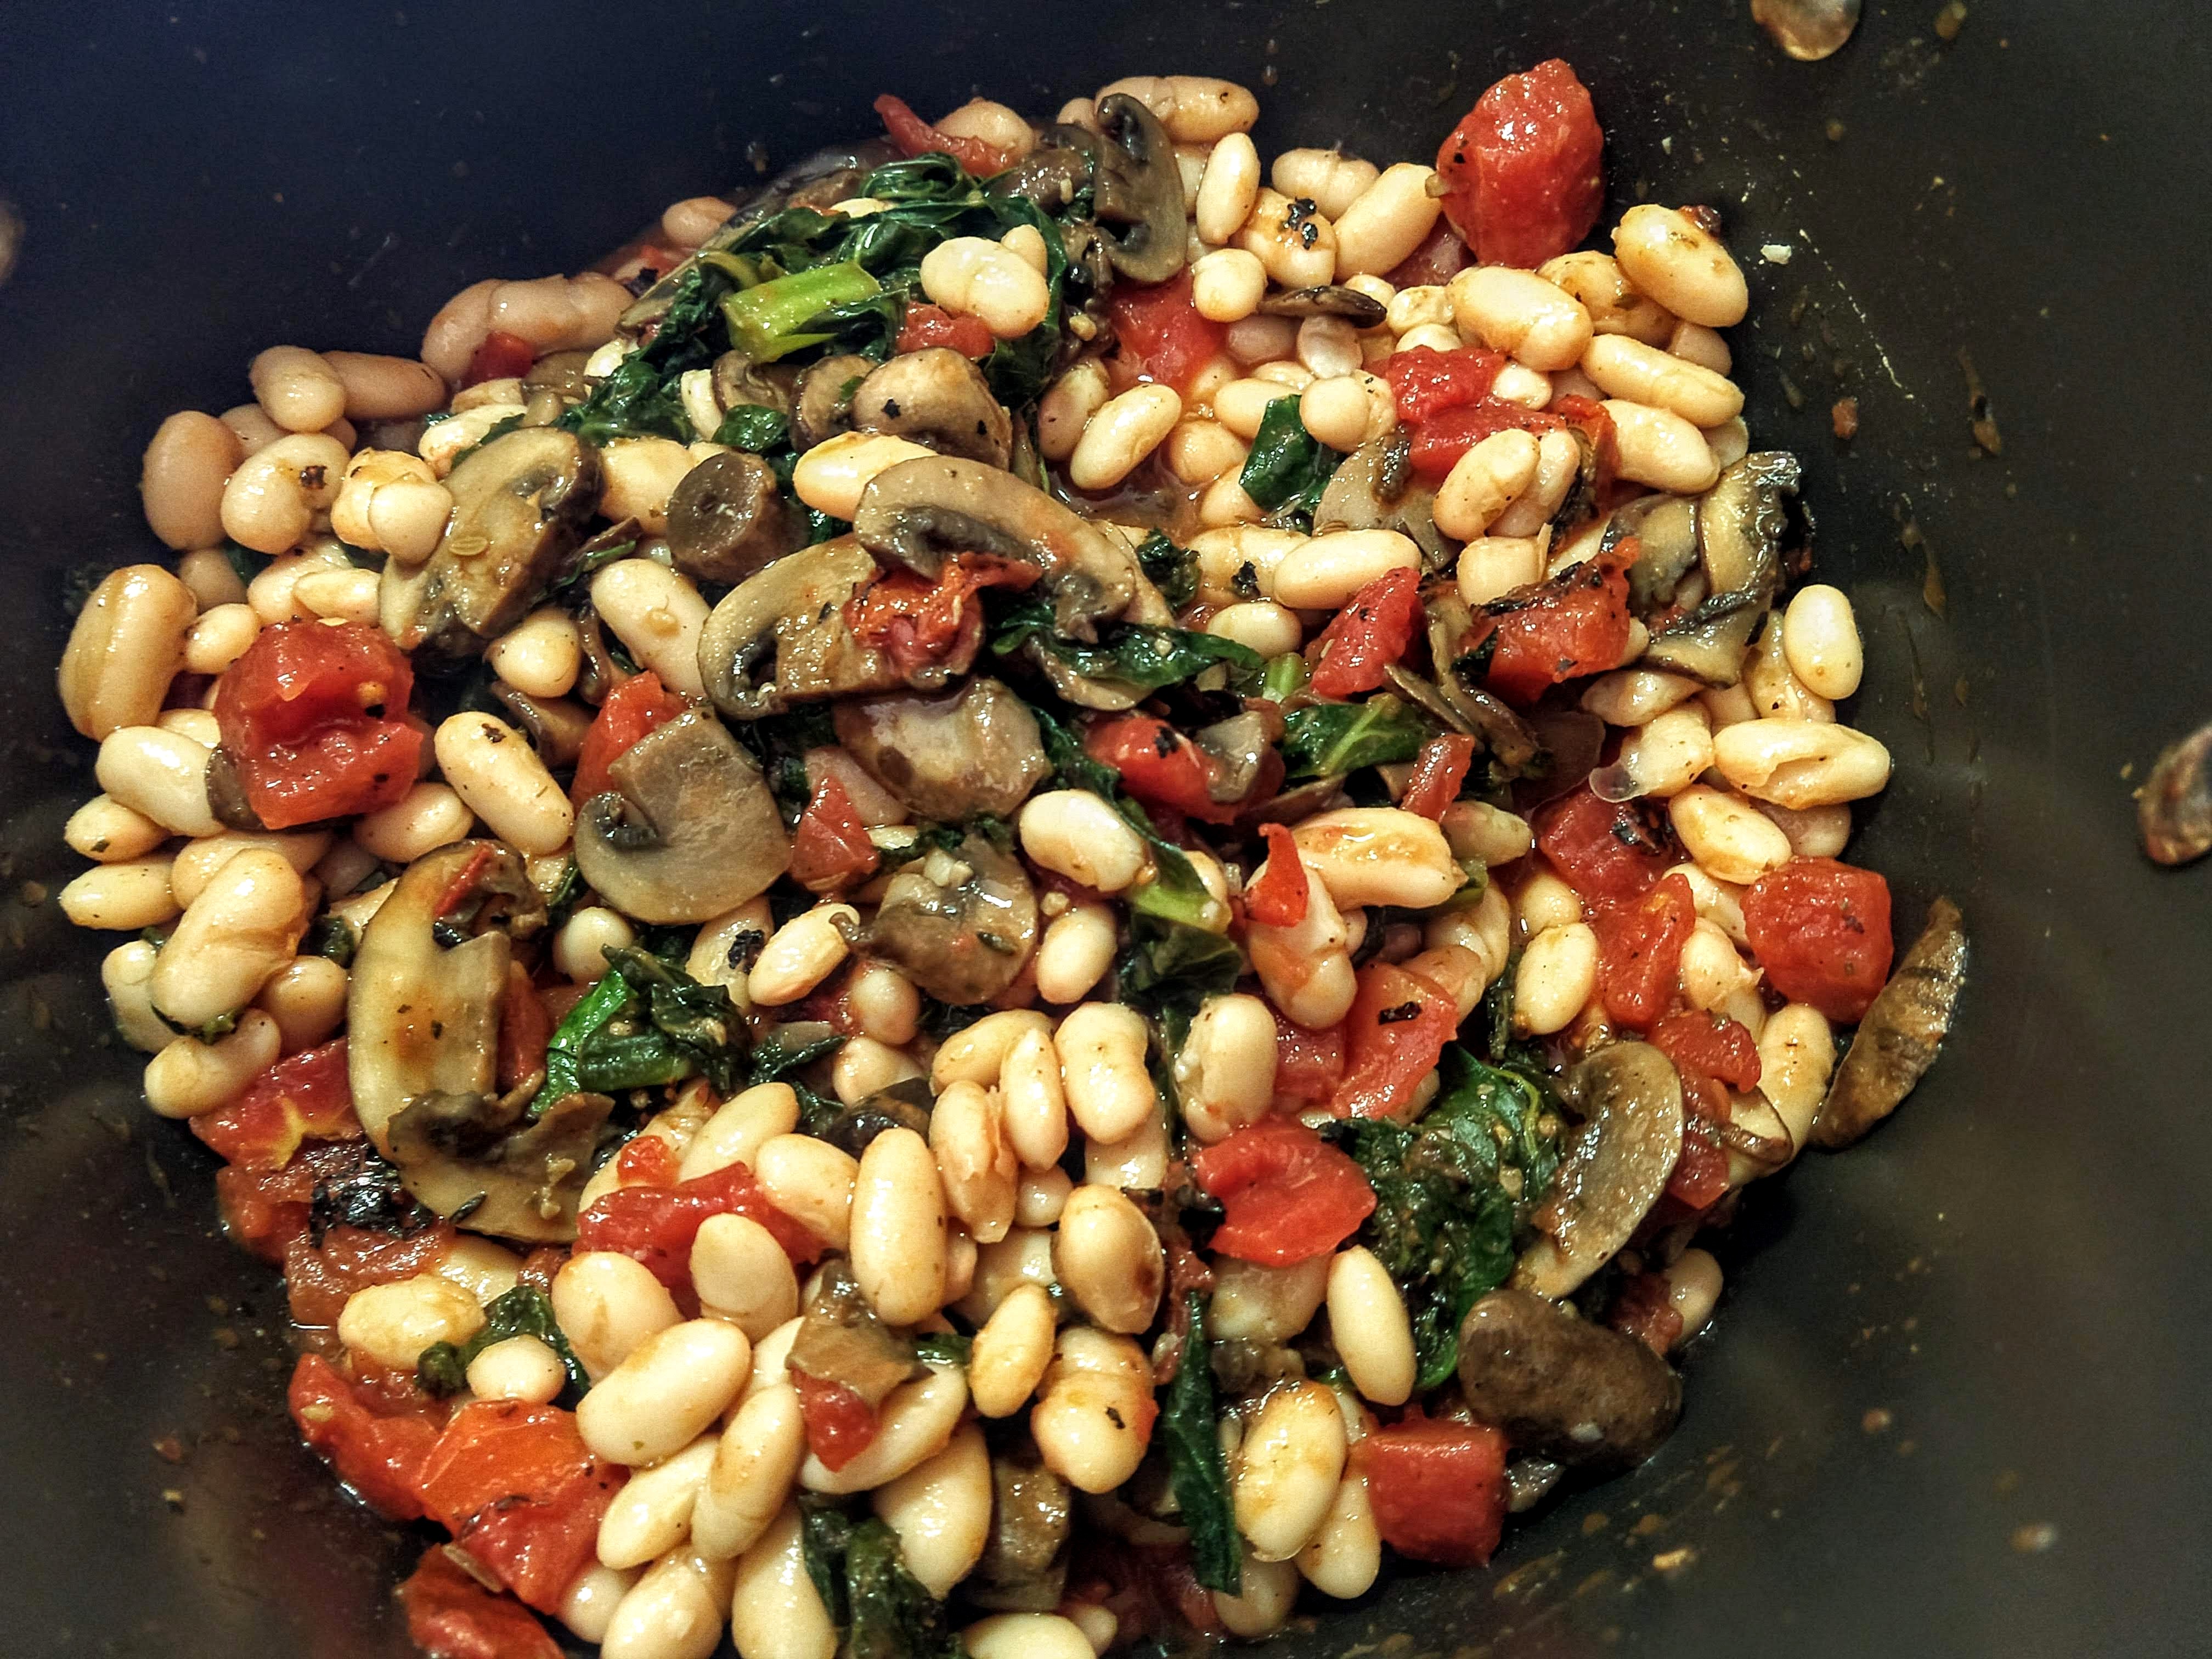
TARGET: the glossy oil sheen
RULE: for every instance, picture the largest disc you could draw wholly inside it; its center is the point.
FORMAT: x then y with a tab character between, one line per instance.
1986	1318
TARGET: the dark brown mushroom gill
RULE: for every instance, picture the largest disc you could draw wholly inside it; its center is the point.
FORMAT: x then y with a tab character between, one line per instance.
728	519
782	636
975	753
960	924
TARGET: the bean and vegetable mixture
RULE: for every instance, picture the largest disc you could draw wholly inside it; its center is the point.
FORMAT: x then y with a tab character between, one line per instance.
1007	899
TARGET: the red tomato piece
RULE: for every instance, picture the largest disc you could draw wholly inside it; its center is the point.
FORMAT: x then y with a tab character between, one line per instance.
1437	1487
839	1424
635	709
1158	765
522	1493
319	1278
1574	625
1309	1065
265	1210
1427	381
1606	852
1278	897
379	1456
1440	256
304	1096
1438	771
1714	1044
451	1616
912	135
1395	1034
1442	437
656	1225
1820	929
1364	639
830	848
647	1161
917	622
1640	951
1644	1310
524	1028
500	357
1290	1195
1163	337
293	715
1701	1173
924	325
1525	169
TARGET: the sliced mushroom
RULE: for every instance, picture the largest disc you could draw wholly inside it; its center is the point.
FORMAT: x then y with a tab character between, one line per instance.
841	1341
520	504
555	725
1246	761
1360	310
1512	742
1666	530
2174	815
728	519
903	1106
1023	1567
1376	488
782	636
1054	173
949	758
738	380
821	407
936	398
1617	1166
1902	1032
960	925
1568	1389
688	830
1139	193
919	511
422	1041
227	794
1741	522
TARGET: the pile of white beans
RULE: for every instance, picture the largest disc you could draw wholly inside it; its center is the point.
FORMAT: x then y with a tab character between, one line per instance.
979	1222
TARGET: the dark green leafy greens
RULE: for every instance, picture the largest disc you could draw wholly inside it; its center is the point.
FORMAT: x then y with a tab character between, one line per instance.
641	397
525	1310
330	935
1288	467
863	1581
754	427
648	1022
1197	1473
1135	655
1173	570
1328	739
1449	1190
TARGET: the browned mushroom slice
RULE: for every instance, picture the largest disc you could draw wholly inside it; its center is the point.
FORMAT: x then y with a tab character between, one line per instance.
688	830
1023	1567
920	512
422	1042
1617	1164
841	1341
1375	489
822	406
936	398
728	519
1512	742
1741	522
782	636
1902	1033
949	758
1666	530
2174	814
555	725
959	924
1139	193
520	504
740	380
1571	1390
1360	310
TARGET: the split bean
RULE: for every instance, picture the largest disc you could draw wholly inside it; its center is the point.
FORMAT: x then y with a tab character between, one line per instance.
1379	855
1800	763
972	276
975	1160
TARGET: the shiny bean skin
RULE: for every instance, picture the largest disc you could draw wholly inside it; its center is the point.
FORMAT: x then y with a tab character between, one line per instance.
1106	1256
208	572
830	477
428	817
180	482
297	389
1261	625
1613	304
1800	763
811	1180
941	1510
755	1467
1771	687
269	502
380	388
1200	450
1345	1555
1035	1100
1669	753
1138	1160
1373	1334
1667	257
1270	1591
775	1611
725	944
123	897
969	275
1074	833
916	1422
883	1003
127	644
1379	855
1125	430
189	1077
1041	1197
1070	402
499	776
1075	951
1027	1635
1820	640
1306	967
392	1323
1491	567
1330	180
1694	342
124	973
1815	832
975	1160
1693	1288
1284	1476
1101	1048
1326	572
1093	1417
651	1514
1387	221
251	425
1797	1056
799	955
899	1228
159	774
865	1066
1729	442
542	656
742	1275
1225	1072
518	1368
1711	970
1519	313
607	1305
588	1607
1486	481
1226	192
1636	696
1476	829
244	925
1558	972
220	638
1624	367
1292	239
1196	109
674	1611
1336	410
665	1392
1660	448
1011	1351
106	831
740	1126
1726	834
658	614
1558	464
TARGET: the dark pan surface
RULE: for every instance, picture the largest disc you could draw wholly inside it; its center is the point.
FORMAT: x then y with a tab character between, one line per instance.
1987	1318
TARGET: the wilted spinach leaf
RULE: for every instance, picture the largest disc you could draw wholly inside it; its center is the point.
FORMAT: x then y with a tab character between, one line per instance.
862	1578
1197	1470
525	1310
1138	655
646	1022
1288	467
1328	739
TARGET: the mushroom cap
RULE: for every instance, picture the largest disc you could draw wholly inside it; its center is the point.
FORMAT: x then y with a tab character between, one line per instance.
780	636
728	519
959	924
689	829
950	758
1139	200
1616	1166
936	398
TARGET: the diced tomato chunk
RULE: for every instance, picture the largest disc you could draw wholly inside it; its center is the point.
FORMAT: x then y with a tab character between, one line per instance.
1820	929
1158	765
1437	1488
830	848
503	357
1712	1043
647	1161
524	1029
839	1424
1309	1065
1288	1193
1523	167
1644	1310
1576	623
656	1225
451	1616
1608	852
912	136
1640	951
1441	256
304	1096
1438	771
1356	651
1278	897
1701	1173
294	716
924	325
379	1456
1394	1035
522	1493
918	623
1425	381
635	709
265	1210
1163	337
320	1277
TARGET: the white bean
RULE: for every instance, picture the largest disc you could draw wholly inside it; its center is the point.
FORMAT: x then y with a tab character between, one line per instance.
914	1422
883	1003
1726	834
1332	180
1381	227
1345	1556
899	1228
518	1368
1270	1591
1696	344
1693	1287
1106	1256
1815	832
1625	367
159	774
975	1159
1093	1417
1325	572
1076	834
651	1514
799	955
1122	433
392	1323
941	1510
1484	481
269	502
658	614
1012	1351
971	276
1027	1635
123	896
1373	1334
428	817
1073	398
674	1611
608	1305
207	571
542	655
189	1077
1613	304
1225	1072
1306	967
245	924
776	1612
180	483
297	389
1101	1048
1820	640
1670	258
1226	192
1379	855
1035	1100
1797	1055
1660	448
1138	1160
1800	763
1558	971
1284	1476
1076	950
755	1466
1268	1306
665	1392
107	831
126	647
498	775
830	477
742	1275
1519	313
1292	238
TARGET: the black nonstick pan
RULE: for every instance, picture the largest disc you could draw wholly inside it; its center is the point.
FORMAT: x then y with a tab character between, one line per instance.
1954	1401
